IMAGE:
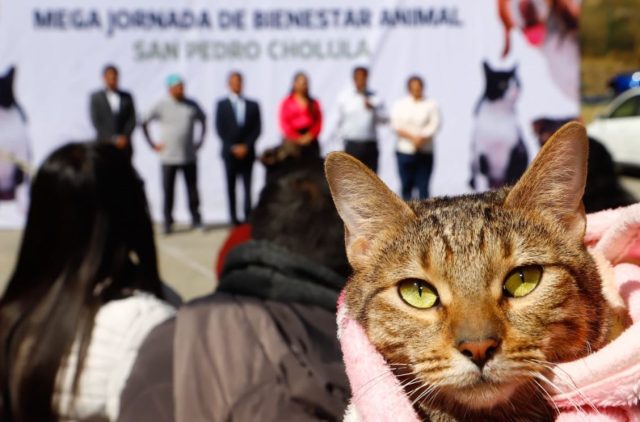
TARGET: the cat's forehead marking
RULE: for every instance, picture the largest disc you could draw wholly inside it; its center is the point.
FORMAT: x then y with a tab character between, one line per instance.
465	241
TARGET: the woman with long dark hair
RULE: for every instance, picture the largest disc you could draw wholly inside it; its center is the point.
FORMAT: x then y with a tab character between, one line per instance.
301	117
85	290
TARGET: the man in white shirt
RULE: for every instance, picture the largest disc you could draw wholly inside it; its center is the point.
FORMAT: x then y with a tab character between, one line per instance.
360	111
113	114
416	120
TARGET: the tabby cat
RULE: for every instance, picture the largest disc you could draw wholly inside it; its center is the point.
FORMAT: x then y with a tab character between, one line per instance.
472	299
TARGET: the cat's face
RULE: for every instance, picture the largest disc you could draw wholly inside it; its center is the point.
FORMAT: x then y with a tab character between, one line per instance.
470	299
501	85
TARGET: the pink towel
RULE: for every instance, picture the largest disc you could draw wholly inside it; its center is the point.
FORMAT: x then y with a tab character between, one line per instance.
604	386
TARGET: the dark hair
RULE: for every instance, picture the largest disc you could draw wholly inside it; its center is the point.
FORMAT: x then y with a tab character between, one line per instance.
309	98
109	68
296	76
234	73
296	211
360	69
413	78
88	240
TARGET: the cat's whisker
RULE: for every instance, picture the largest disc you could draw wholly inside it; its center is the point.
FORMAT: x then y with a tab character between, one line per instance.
409	383
546	393
431	388
577	407
423	394
559	372
364	388
554	368
431	399
573	385
582	396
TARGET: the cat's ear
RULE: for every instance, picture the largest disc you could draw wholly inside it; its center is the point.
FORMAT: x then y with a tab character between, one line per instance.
554	182
10	73
366	205
486	67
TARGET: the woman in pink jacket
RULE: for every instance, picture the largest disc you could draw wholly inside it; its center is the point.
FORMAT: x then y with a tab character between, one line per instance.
300	117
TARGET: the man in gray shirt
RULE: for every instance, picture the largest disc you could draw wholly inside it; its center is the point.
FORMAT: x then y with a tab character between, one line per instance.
177	148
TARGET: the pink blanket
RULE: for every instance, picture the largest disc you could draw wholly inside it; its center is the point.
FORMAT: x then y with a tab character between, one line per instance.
604	386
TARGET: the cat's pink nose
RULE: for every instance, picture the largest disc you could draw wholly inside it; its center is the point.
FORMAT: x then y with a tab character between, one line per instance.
479	351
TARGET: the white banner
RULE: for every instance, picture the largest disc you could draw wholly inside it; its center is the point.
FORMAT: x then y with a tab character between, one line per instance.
58	49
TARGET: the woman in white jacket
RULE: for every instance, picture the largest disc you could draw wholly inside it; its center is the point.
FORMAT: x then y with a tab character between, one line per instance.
416	120
85	290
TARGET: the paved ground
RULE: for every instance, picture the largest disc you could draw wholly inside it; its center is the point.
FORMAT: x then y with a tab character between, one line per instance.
186	257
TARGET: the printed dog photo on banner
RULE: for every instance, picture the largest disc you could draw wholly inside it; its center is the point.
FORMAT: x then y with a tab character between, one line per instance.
534	72
551	26
14	140
499	155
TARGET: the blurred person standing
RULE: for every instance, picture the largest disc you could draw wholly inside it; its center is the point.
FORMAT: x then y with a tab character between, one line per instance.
112	111
238	123
416	120
178	116
85	290
300	117
603	189
263	346
360	111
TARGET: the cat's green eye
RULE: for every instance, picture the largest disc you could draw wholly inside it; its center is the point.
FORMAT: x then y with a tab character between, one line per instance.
522	280
418	293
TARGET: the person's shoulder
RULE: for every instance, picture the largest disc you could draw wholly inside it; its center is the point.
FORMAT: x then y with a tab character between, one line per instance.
141	306
401	102
222	100
374	98
287	100
161	102
219	302
346	94
431	102
96	94
125	94
191	102
222	308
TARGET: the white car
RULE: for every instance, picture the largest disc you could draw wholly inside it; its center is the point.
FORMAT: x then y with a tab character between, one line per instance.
618	128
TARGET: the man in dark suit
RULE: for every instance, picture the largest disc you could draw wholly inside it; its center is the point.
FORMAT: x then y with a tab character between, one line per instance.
237	121
112	112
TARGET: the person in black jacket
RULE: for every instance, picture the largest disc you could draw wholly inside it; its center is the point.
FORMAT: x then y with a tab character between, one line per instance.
113	113
237	121
262	347
603	189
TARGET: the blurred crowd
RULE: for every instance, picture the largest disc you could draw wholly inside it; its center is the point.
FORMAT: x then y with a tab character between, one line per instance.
238	124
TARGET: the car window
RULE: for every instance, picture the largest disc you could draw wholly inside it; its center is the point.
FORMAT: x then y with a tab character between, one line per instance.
629	108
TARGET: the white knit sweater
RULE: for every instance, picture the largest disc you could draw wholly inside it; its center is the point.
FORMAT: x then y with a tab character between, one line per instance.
119	329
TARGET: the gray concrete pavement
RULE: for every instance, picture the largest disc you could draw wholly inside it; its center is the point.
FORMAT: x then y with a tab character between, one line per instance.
186	258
